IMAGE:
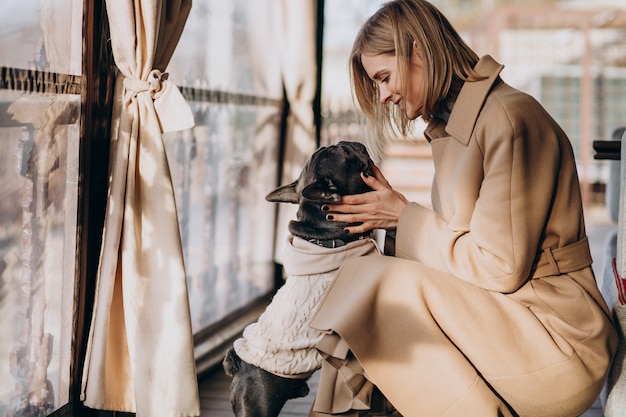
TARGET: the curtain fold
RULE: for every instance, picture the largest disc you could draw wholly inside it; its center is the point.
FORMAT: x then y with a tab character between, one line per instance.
140	349
298	64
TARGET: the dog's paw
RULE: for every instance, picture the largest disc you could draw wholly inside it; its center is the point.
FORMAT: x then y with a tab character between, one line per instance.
231	362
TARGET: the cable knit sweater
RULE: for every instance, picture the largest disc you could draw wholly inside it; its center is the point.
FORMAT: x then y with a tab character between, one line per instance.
281	341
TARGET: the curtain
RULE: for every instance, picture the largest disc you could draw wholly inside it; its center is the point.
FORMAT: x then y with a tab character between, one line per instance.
616	384
297	36
140	347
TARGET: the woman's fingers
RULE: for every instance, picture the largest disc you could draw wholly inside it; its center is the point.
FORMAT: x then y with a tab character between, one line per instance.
377	209
348	201
370	211
377	181
380	177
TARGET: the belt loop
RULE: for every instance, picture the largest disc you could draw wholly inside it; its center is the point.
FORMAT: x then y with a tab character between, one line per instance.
555	266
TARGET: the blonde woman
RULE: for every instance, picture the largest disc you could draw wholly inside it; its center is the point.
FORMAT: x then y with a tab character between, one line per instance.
489	306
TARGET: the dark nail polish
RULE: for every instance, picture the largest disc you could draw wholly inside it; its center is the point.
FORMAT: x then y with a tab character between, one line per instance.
346	231
329	217
324	208
366	175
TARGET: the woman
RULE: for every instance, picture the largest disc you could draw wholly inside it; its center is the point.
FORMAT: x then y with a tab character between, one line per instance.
490	306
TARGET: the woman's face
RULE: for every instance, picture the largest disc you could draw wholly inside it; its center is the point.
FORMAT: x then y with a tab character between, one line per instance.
383	70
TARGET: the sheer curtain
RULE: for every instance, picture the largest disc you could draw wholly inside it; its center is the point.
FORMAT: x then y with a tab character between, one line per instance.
297	36
140	348
39	159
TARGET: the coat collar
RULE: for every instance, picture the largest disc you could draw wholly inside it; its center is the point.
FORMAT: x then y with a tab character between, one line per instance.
469	102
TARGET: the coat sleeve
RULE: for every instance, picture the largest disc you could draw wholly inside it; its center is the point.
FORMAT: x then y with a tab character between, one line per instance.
495	247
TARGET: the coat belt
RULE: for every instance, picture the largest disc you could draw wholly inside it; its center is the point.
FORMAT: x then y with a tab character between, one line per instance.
569	258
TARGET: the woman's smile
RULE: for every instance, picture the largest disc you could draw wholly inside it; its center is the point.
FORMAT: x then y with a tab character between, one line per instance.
409	95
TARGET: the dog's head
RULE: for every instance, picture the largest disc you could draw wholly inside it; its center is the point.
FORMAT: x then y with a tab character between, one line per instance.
255	392
330	173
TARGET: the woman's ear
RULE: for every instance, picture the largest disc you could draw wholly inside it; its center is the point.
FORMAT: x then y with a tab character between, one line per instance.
416	50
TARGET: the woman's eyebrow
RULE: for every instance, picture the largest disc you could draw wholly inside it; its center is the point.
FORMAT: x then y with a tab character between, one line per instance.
378	75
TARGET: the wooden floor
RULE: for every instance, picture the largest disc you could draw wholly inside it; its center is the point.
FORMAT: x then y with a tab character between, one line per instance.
215	403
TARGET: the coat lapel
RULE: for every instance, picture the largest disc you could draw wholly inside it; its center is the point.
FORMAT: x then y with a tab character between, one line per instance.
470	101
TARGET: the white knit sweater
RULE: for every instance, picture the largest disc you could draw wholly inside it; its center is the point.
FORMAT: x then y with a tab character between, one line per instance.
281	341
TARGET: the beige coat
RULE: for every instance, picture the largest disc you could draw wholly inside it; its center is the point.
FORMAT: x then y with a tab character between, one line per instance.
490	306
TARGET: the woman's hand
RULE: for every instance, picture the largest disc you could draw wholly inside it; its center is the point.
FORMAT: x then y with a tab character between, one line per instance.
378	209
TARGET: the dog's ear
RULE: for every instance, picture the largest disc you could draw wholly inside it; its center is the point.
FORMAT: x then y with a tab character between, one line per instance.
322	190
231	363
284	194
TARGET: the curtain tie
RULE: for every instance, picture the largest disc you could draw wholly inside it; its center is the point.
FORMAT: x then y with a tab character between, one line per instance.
171	108
154	85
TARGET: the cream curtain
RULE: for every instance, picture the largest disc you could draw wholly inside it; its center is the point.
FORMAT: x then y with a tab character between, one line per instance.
297	36
140	348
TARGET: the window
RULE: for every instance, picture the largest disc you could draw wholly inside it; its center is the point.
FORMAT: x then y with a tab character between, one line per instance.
40	133
223	167
55	92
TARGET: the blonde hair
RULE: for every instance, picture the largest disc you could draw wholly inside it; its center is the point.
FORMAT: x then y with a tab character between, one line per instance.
393	29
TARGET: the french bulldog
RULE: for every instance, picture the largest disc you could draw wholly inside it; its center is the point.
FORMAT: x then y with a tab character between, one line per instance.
330	173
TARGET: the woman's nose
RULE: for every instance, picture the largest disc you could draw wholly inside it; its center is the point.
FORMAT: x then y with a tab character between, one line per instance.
385	94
